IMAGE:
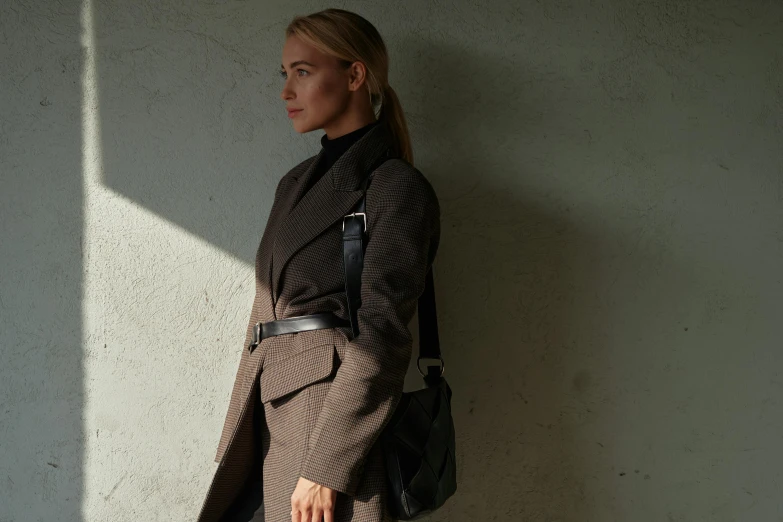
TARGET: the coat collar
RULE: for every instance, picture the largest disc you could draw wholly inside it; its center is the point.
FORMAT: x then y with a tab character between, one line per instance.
307	214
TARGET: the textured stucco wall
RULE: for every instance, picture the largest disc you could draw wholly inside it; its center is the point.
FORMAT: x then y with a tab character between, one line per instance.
609	285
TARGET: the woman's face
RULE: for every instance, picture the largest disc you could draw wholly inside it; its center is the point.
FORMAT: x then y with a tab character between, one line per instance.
315	84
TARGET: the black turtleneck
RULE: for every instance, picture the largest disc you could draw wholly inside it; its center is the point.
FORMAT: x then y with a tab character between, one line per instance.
333	149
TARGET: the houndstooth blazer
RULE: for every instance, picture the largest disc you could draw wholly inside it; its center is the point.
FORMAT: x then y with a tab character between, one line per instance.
327	397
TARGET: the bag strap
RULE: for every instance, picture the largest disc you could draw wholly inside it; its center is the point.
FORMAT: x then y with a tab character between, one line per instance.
354	244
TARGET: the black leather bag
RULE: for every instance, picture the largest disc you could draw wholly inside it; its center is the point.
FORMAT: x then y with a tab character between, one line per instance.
418	441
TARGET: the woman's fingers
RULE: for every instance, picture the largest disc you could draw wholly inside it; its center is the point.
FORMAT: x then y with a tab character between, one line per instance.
314	515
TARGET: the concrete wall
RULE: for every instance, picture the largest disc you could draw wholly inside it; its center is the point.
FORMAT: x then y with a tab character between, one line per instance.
609	280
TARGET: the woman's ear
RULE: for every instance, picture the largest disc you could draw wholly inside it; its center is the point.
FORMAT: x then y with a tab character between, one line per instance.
357	75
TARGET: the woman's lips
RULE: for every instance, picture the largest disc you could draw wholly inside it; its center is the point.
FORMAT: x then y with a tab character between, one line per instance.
294	112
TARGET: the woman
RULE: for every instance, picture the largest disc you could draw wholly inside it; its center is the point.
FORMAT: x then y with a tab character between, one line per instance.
310	400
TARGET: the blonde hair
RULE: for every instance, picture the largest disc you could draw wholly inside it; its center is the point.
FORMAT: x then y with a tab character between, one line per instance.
351	38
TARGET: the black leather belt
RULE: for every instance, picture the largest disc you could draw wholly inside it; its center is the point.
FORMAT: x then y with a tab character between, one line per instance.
295	324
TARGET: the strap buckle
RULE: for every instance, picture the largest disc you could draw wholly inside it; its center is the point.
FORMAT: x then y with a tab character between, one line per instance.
442	364
364	218
256	335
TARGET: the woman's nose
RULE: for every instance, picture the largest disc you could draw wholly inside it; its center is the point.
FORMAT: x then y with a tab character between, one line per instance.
286	93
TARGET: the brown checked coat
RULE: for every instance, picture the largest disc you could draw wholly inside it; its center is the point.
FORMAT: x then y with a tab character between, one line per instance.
327	397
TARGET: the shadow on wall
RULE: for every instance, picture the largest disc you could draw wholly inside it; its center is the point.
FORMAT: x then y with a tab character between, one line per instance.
185	114
517	277
505	275
41	376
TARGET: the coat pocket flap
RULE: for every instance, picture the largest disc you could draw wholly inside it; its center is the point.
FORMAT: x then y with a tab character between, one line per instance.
294	373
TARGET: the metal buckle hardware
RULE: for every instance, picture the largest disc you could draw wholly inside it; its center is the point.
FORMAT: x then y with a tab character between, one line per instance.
256	335
442	364
364	217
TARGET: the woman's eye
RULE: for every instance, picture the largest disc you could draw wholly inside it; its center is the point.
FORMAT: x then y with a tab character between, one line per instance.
282	73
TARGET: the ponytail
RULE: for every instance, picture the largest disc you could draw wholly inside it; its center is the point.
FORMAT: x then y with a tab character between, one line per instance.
393	117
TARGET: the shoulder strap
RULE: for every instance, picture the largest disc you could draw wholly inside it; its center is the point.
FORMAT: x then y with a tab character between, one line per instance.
354	233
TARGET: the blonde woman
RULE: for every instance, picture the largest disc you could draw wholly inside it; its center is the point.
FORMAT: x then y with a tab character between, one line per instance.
300	441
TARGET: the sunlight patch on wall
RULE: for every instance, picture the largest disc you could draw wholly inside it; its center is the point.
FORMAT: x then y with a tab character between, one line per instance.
159	311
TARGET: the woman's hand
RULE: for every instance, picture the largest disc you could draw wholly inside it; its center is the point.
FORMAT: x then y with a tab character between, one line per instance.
312	502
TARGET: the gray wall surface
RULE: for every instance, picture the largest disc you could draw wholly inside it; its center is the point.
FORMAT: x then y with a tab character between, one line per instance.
609	279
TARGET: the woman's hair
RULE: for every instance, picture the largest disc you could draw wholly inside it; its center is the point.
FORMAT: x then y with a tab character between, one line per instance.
351	38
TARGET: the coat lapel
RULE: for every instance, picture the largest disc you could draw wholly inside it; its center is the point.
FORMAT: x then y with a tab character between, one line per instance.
307	214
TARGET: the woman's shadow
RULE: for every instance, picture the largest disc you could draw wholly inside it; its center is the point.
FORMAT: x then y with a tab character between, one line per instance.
508	266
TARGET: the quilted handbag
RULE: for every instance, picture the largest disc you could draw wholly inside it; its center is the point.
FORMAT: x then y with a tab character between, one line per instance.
418	441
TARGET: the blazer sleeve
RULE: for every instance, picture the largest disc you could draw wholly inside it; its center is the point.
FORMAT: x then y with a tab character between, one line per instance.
403	234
